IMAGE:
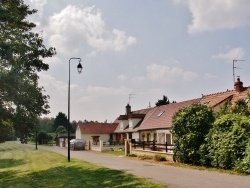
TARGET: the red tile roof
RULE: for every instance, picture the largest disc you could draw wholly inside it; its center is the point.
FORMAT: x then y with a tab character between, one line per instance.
161	117
215	99
97	128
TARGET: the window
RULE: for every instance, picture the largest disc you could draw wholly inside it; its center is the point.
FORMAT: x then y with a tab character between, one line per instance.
159	115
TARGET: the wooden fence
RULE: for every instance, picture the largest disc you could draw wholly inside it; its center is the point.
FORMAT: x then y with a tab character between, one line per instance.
153	146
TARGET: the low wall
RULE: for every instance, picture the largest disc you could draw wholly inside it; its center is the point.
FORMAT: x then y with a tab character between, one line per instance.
102	146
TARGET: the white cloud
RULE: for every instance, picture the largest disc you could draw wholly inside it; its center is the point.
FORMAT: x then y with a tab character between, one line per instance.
167	74
49	81
210	15
208	76
122	77
75	28
139	79
229	55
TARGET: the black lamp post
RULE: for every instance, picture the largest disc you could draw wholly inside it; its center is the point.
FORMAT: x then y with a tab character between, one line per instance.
79	69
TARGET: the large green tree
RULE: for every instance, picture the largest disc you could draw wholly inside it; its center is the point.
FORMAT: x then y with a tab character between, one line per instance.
21	57
61	120
190	126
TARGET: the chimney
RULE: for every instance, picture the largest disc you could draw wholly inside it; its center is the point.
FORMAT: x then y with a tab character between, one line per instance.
128	109
238	85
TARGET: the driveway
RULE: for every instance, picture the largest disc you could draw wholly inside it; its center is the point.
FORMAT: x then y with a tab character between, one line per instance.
173	177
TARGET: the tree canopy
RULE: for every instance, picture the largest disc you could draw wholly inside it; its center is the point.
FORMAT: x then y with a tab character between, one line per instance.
162	101
21	57
61	120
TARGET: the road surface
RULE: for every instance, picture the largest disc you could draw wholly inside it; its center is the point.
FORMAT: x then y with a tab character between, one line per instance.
173	177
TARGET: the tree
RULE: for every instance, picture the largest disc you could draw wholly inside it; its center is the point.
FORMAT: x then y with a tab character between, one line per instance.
42	137
163	101
61	129
46	124
190	126
6	130
61	120
21	58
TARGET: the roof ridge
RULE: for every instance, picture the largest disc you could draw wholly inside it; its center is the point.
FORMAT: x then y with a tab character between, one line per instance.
218	93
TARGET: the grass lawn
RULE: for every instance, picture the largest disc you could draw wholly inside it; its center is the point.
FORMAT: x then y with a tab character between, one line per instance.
22	166
115	152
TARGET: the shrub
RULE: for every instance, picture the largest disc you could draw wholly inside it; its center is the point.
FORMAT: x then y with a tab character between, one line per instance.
145	157
159	157
190	127
243	166
227	140
42	137
132	155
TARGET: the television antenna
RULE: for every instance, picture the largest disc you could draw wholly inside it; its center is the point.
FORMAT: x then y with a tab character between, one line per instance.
129	97
234	61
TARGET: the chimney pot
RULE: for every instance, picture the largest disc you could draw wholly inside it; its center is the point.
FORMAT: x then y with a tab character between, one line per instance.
238	85
128	109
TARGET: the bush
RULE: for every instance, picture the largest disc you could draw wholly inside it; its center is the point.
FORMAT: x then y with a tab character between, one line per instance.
145	157
190	127
132	155
159	157
228	140
42	137
243	166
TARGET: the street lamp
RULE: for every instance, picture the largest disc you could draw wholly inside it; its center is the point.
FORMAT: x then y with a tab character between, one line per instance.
79	69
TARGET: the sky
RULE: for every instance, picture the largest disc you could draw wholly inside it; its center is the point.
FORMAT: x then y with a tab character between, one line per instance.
137	51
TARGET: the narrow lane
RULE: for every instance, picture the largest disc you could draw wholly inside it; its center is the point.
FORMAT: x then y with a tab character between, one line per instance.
173	177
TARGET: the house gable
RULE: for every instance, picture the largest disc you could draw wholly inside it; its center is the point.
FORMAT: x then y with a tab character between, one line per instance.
96	128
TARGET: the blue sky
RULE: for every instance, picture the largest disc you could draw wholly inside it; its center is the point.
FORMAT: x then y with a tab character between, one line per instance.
149	48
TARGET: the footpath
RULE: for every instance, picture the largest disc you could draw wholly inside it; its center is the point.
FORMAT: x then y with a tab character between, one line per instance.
173	177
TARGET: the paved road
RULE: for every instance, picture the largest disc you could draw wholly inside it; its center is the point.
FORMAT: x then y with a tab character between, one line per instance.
173	177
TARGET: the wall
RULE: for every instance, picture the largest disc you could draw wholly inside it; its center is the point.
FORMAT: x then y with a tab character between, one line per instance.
136	136
122	125
162	136
104	137
78	133
133	122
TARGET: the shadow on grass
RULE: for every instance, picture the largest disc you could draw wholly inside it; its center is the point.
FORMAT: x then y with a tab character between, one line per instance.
7	177
8	163
74	176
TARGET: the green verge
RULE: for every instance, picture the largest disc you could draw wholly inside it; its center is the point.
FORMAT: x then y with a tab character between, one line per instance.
23	166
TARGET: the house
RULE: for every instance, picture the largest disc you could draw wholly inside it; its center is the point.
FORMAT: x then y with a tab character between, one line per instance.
129	123
154	124
96	131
